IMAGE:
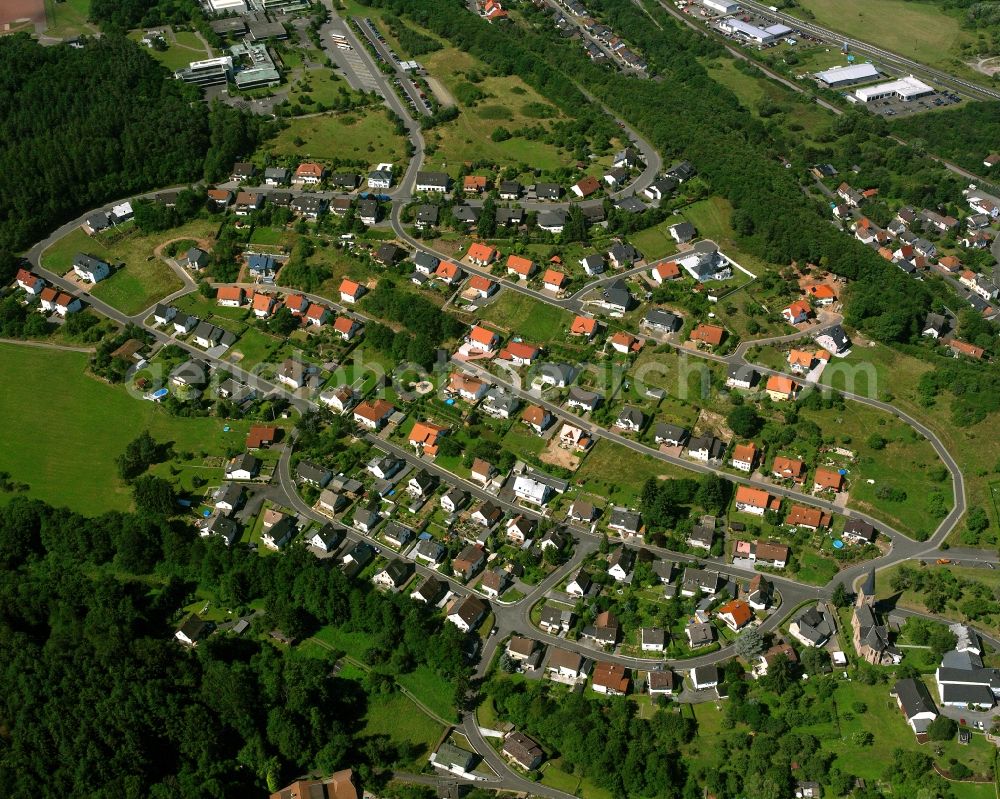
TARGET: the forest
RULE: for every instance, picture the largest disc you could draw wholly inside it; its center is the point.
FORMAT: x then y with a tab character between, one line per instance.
99	700
965	135
81	127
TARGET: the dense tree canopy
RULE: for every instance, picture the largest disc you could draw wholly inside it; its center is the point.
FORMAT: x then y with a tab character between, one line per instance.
80	127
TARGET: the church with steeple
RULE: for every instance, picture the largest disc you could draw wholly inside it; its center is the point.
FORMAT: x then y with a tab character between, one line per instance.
871	638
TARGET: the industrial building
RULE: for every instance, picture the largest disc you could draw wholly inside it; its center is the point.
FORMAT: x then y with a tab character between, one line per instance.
906	89
257	68
221	6
209	72
847	75
768	35
721	6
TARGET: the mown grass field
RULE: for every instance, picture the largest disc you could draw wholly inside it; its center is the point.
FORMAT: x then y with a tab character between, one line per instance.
66	454
68	19
364	136
922	31
883	373
526	317
616	472
506	99
144	279
914	600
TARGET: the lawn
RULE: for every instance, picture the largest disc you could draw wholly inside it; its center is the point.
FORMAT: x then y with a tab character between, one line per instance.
430	689
321	85
655	242
503	102
521	315
915	600
179	53
395	716
364	137
612	470
145	278
68	19
85	425
922	31
892	376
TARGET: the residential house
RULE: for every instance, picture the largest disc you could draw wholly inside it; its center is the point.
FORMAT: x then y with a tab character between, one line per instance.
481	254
531	490
781	388
430	591
626	523
422	484
469	388
469	561
621	564
789	469
523	268
366	518
809	518
449	273
350	291
586	186
827	479
339	399
671	435
493	583
339	785
610	679
735	614
429	551
702	534
630	419
279	534
312	474
309	174
935	326
89	268
625	343
474	184
193	630
537	418
741	376
434	182
262	304
33	284
522	750
565	665
798	312
812	626
451	758
554	281
519	353
346	327
397	534
604	631
581	511
326	538
276	176
652	639
467	613
699	634
760	592
230	296
583	399
395	575
755	500
959	348
482	471
488	514
710	335
705	448
660	189
593	264
425	436
765	553
574	438
481	339
509	190
664	272
520	529
660	321
704	678
858	531
481	287
745	457
373	414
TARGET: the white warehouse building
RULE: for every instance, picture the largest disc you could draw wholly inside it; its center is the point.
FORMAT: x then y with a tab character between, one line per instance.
768	35
908	88
721	6
846	75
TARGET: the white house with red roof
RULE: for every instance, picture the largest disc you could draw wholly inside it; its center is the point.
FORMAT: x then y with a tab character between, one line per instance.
346	327
32	284
350	291
317	315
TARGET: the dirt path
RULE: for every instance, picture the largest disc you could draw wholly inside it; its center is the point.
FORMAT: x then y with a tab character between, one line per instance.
45	345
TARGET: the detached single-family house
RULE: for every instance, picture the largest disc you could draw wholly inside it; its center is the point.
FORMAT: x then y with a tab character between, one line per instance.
373	415
467	613
755	500
351	291
89	268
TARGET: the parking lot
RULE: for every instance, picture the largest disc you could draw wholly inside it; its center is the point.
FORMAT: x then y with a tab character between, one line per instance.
894	107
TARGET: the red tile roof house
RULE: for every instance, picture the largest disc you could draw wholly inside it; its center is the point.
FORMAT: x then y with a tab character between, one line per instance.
610	678
482	254
554	281
583	326
263	305
522	267
711	335
373	415
309	174
735	614
964	348
789	469
32	284
668	270
810	518
468	388
625	343
537	418
519	353
317	315
261	436
448	273
297	304
755	500
481	287
744	457
797	312
350	291
482	339
346	327
230	296
59	301
830	479
424	437
586	186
